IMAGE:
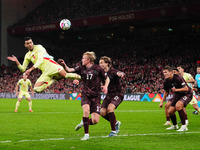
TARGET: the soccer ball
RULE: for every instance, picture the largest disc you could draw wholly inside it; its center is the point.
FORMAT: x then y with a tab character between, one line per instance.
65	24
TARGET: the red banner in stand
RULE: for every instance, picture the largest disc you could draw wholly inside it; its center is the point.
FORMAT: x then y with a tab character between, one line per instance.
112	18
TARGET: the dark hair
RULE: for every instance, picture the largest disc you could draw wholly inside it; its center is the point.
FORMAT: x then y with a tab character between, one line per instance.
27	38
168	68
198	66
107	60
180	66
174	68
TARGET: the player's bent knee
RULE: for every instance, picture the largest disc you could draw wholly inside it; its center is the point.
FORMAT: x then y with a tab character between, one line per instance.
178	107
103	113
166	106
86	113
109	110
95	121
171	111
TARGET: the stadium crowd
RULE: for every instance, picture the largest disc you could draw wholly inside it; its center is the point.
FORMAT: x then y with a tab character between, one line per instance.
54	10
141	58
142	63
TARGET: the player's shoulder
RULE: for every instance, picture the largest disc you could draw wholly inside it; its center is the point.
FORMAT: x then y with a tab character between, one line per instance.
197	75
178	78
166	81
39	47
166	84
175	76
95	66
114	69
28	80
187	74
20	80
27	54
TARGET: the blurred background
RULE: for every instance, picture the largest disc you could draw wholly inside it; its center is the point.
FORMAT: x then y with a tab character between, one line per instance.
141	37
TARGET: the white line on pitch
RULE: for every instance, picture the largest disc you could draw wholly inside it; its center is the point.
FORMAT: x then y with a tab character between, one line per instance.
74	138
81	112
41	113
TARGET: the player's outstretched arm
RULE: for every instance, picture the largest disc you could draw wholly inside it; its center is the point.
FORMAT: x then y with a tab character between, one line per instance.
23	67
62	62
13	58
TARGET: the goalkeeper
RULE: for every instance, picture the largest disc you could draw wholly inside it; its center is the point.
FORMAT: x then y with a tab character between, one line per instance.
51	70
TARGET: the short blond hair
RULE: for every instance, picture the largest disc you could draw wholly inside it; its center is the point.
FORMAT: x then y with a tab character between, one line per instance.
91	56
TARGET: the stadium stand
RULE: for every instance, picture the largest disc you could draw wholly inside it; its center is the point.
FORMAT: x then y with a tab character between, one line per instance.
141	62
140	57
54	10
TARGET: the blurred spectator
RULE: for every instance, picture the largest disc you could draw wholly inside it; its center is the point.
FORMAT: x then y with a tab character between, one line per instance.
55	10
142	63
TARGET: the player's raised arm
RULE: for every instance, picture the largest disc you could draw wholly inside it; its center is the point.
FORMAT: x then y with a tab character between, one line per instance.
62	62
13	58
23	67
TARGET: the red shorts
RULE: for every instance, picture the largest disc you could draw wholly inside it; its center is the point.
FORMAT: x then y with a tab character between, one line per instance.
93	102
114	98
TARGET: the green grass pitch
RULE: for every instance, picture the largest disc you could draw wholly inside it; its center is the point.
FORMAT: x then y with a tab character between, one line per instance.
51	127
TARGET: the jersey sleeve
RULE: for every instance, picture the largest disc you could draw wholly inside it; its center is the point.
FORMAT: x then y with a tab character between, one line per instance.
188	77
18	83
77	69
115	71
41	54
165	87
26	61
29	82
